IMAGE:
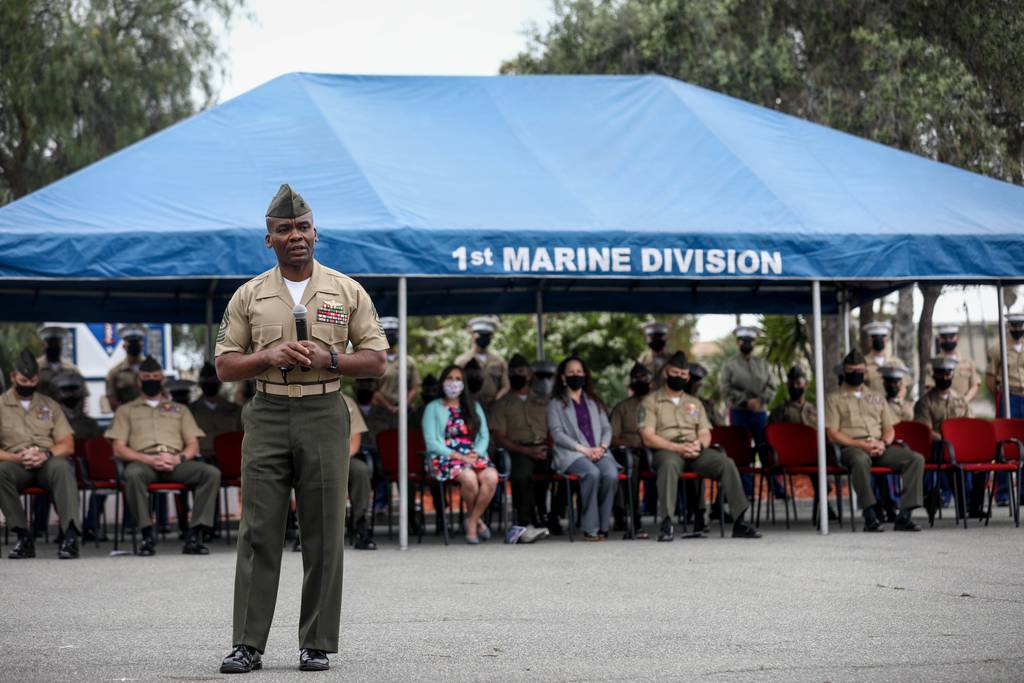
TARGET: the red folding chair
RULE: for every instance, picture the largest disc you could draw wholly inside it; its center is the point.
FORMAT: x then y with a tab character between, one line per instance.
738	444
227	454
794	450
387	448
917	436
101	476
970	445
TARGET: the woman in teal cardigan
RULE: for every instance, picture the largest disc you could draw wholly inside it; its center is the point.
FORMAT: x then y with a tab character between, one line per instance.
456	436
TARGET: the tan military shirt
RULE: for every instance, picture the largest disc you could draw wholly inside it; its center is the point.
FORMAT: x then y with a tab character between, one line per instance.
625	430
376	419
679	422
259	316
900	409
1015	365
873	375
654	362
166	427
48	372
858	417
935	407
965	376
746	377
42	425
794	413
523	419
223	417
357	425
495	374
713	413
121	384
389	381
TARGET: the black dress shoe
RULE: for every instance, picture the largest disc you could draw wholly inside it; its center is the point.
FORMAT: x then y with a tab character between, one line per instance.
364	539
980	515
743	530
23	549
69	548
194	545
666	534
313	660
148	547
873	524
242	660
90	536
554	527
905	524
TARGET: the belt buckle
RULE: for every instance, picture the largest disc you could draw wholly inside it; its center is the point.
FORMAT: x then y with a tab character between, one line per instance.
294	391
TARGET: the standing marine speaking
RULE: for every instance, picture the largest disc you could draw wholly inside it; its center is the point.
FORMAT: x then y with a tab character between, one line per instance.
296	429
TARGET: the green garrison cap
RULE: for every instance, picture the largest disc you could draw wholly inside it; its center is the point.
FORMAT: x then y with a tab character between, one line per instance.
518	361
150	364
26	365
287	203
854	357
678	360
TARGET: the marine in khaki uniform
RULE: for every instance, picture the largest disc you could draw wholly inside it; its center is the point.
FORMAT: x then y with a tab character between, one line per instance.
857	420
879	357
52	362
35	442
518	423
654	358
674	425
747	384
158	440
626	436
966	380
214	414
377	419
493	380
297	428
796	409
1015	367
694	386
901	409
122	384
387	392
359	485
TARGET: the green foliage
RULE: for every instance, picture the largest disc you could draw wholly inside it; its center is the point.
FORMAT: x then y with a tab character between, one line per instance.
13	338
82	79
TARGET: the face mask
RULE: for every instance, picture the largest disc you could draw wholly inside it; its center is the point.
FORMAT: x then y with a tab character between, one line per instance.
942	382
542	385
878	343
675	383
53	354
452	388
483	340
24	391
891	389
210	389
152	387
517	382
1017	334
746	347
796	393
364	396
69	401
475	384
656	344
133	348
575	382
391	337
854	379
640	388
948	346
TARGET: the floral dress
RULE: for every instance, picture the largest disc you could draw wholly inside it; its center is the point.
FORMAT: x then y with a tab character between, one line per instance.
458	439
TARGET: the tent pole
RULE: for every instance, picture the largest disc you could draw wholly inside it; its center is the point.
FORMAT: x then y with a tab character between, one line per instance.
844	310
403	418
540	320
1002	352
819	393
209	324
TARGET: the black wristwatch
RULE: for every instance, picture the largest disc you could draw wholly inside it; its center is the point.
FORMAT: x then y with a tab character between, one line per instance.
333	367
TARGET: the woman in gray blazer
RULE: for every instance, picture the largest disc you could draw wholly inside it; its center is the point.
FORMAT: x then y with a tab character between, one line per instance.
579	427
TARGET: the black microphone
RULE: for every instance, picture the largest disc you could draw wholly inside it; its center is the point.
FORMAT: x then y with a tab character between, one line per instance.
301	334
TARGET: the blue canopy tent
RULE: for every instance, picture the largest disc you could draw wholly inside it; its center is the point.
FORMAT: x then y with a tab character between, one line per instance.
496	194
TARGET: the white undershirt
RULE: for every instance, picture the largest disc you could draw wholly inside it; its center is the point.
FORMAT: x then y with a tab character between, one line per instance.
296	289
1018	346
152	403
26	404
481	358
675	400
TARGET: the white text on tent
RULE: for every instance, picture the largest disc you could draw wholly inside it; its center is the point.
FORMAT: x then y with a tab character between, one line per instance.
619	260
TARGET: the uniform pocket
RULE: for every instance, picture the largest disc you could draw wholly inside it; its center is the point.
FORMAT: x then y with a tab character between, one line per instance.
333	336
265	335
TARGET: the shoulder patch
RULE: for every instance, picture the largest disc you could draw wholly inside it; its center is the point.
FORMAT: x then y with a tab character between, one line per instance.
222	331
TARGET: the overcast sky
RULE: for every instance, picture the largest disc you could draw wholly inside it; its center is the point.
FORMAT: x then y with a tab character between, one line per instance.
446	37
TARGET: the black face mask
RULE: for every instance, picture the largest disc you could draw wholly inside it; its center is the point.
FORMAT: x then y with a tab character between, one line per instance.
69	401
640	388
891	389
942	382
1017	334
364	396
133	348
483	340
210	389
947	346
796	393
746	347
152	387
854	379
474	384
392	338
24	391
53	354
878	343
517	382
575	382
656	344
675	383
